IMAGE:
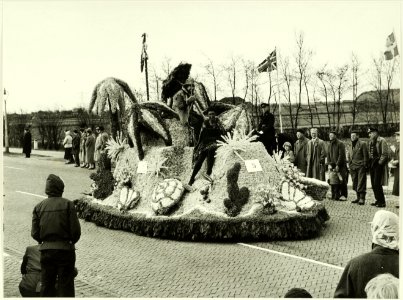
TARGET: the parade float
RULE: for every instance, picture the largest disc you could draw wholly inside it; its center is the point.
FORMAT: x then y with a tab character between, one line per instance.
250	195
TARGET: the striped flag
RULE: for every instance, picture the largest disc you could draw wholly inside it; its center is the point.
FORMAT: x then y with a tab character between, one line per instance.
269	64
391	46
144	55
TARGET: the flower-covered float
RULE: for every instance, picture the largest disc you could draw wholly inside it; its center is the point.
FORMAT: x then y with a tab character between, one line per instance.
250	195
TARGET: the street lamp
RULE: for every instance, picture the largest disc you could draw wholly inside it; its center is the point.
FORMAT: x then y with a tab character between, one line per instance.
7	147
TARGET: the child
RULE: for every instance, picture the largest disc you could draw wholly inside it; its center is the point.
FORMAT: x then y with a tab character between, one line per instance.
288	154
334	180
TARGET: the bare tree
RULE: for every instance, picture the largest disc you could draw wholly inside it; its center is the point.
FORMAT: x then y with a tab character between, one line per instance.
286	90
338	86
214	72
302	59
49	124
381	68
321	75
166	66
232	70
355	67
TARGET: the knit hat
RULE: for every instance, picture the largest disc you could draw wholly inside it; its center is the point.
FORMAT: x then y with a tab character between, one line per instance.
54	186
385	229
297	293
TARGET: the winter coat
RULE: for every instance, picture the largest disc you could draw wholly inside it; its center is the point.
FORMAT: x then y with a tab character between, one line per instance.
267	133
55	223
76	144
31	271
316	155
100	144
290	156
68	140
90	149
300	152
27	143
363	268
83	138
395	190
209	135
382	158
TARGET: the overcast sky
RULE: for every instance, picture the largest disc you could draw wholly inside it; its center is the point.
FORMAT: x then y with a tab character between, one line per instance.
55	52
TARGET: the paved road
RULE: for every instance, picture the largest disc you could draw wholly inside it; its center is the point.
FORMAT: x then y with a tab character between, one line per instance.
121	264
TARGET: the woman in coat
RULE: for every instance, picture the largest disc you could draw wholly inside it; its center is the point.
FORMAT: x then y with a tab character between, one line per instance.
384	257
27	143
83	158
90	149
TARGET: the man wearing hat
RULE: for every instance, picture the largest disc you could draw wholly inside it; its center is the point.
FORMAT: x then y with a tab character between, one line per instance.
206	146
358	162
316	155
336	155
300	151
266	131
378	165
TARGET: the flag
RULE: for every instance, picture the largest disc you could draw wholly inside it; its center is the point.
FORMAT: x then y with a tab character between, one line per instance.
144	55
391	46
269	64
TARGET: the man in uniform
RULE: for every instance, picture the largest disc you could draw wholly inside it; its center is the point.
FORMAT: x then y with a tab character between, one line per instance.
316	155
336	154
358	162
266	131
300	151
378	168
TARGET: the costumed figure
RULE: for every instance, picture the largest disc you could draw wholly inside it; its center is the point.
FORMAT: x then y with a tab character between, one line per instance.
206	146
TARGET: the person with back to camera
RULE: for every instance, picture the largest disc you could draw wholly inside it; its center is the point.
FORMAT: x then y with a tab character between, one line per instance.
383	286
56	228
384	257
298	293
31	272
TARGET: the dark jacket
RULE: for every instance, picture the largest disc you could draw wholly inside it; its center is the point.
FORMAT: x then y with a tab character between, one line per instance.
31	271
54	222
300	152
363	268
336	153
76	144
27	143
359	155
267	133
382	158
209	135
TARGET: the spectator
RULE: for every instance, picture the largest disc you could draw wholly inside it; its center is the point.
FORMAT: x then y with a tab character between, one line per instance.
100	142
316	155
336	155
395	166
27	143
383	286
56	227
266	132
83	138
384	257
67	143
90	149
378	159
297	293
31	272
358	162
288	154
300	151
76	147
207	144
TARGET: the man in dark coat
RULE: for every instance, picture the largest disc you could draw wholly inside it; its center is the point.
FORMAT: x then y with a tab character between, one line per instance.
358	162
266	132
316	155
336	154
395	166
300	151
384	257
27	143
56	227
378	159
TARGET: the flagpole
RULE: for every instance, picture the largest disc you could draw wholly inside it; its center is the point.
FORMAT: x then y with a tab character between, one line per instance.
278	89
